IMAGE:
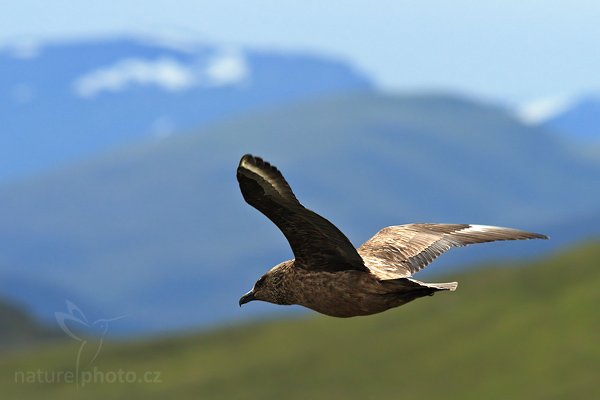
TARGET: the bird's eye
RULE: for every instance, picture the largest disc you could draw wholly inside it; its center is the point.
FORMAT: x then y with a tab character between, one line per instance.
260	282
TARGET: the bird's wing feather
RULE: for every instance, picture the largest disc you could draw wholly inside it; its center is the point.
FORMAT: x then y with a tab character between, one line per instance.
316	243
400	251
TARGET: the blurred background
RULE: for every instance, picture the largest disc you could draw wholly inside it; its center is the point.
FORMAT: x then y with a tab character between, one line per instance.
125	243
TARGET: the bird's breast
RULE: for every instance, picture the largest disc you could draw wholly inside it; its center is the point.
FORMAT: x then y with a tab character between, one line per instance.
340	294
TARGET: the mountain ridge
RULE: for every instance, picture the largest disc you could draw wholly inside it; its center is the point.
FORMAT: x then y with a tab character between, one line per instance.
577	119
69	100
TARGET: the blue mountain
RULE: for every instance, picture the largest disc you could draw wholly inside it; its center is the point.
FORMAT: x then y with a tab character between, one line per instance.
580	121
65	101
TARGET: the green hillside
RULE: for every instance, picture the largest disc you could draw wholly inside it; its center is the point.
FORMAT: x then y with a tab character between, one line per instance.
18	329
506	333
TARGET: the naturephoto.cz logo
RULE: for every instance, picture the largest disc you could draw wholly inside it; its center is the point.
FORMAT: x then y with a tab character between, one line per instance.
90	336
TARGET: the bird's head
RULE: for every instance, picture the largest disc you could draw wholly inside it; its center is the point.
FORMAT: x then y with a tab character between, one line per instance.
270	287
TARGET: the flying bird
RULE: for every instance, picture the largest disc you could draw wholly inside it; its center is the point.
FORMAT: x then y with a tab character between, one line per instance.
328	274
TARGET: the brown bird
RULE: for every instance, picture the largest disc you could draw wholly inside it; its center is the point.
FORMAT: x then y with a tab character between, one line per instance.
328	274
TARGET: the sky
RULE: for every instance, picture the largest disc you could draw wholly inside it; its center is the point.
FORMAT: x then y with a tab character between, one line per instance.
512	51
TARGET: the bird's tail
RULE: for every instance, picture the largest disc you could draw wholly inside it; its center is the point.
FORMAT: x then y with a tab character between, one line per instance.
430	288
451	286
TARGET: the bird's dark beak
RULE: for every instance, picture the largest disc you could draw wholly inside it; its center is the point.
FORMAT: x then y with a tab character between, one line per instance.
248	297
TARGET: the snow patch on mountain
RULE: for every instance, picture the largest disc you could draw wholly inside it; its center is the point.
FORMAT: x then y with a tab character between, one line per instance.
227	68
171	41
23	49
22	93
541	110
167	73
163	127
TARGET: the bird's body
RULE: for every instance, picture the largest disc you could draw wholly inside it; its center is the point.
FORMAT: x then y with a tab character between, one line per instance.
352	293
328	274
344	293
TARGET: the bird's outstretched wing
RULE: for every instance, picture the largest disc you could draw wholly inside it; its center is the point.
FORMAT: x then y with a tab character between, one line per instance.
400	251
316	243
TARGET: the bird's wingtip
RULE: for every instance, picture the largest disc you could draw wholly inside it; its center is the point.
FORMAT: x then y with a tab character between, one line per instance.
246	158
249	159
